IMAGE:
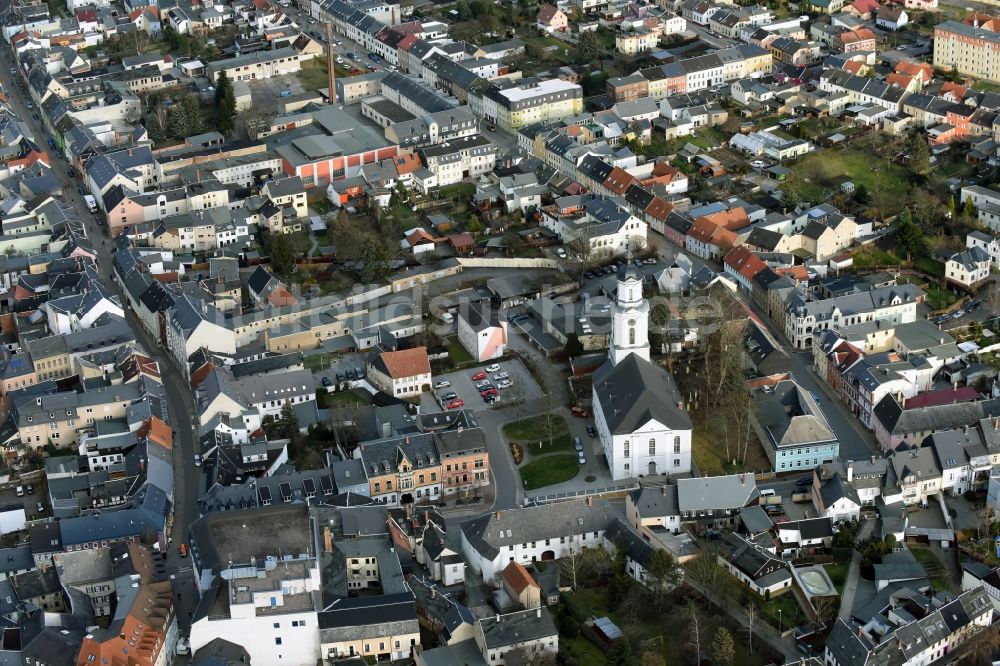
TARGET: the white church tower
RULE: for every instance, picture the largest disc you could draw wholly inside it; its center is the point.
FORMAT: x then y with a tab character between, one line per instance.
630	325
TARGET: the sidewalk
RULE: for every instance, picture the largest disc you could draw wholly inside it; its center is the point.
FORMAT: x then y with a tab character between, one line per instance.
853	572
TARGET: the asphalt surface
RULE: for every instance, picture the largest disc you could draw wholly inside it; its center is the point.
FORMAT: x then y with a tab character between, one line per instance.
186	475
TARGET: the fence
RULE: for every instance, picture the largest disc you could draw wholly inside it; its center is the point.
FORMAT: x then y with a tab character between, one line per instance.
606	491
500	262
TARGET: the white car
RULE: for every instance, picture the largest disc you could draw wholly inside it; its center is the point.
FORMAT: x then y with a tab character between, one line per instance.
505	384
493	368
444	383
758	164
340	61
561	252
501	375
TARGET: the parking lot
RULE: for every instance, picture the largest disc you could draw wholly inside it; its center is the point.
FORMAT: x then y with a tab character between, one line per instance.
268	91
340	363
464	388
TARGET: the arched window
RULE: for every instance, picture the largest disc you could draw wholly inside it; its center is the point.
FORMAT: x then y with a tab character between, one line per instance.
631	335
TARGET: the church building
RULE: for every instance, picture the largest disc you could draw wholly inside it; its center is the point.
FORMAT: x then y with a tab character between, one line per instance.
638	411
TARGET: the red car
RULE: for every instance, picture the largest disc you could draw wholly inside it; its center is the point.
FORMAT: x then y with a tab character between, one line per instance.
488	392
479	376
456	404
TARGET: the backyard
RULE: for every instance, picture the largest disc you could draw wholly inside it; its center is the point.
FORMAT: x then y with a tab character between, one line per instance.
339	399
935	569
459	354
822	172
666	633
837	572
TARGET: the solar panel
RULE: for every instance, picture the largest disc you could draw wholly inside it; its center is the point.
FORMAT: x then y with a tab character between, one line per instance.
310	487
286	492
327	485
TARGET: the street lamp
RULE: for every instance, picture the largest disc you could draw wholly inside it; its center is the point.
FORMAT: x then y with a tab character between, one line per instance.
779	621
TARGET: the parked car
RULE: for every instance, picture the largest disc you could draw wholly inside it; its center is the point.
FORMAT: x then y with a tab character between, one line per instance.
79	188
19	491
326	382
442	383
506	383
455	404
591	430
39	507
30	489
577	444
482	386
495	367
488	392
804	481
501	375
561	252
197	460
183	550
579	412
589	275
581	458
450	395
479	376
649	261
72	173
359	372
340	377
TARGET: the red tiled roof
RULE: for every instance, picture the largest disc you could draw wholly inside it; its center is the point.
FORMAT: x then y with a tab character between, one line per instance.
407	363
547	13
518	577
942	397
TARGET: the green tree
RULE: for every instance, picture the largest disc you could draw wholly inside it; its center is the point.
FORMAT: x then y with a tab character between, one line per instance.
474	225
287	425
951	205
154	128
588	48
375	260
622	655
282	255
225	104
722	647
573	345
969	210
920	156
662	573
861	195
180	122
910	240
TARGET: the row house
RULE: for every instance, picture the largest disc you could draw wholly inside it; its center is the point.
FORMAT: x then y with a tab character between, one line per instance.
893	305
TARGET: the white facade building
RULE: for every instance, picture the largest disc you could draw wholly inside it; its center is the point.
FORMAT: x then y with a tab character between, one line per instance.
640	418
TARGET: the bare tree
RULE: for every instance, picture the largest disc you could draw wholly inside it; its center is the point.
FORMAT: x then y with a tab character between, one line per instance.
751	610
140	41
583	562
694	630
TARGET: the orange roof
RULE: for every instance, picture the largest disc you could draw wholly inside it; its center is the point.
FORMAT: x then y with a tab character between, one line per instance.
984	21
920	70
705	231
732	219
854	66
744	262
160	432
659	209
518	577
957	91
406	363
859	35
547	13
797	273
406	164
281	296
901	80
865	6
619	180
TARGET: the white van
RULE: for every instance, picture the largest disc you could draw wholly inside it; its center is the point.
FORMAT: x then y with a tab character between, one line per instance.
20	491
767	492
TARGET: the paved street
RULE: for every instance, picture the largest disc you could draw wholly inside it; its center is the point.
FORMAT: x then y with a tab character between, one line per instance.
186	476
853	581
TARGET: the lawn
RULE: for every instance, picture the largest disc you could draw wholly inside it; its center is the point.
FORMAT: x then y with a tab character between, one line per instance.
838	574
549	470
939	298
316	362
826	168
339	399
458	191
459	354
313	74
665	633
936	571
929	266
532	434
872	257
790	615
709	451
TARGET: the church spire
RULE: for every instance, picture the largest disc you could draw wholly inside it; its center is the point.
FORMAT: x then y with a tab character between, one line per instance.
630	320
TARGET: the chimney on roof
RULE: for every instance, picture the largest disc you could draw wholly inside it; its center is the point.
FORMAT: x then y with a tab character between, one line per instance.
434	593
327	540
850	472
497	514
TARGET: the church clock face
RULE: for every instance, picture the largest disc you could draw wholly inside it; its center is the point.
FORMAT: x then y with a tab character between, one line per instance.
631	322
